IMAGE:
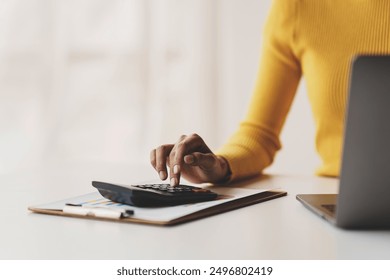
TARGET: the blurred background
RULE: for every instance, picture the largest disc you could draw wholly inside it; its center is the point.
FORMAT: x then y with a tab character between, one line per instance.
108	80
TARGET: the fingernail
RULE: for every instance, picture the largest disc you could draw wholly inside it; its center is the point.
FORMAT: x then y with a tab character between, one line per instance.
163	175
173	182
176	169
189	159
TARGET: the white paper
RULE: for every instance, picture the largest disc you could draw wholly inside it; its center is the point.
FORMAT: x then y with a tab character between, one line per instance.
157	214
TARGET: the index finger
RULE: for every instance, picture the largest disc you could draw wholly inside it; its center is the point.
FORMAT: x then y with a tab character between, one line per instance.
184	146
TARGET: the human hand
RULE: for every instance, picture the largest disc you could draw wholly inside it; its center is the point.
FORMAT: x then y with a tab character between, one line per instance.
191	158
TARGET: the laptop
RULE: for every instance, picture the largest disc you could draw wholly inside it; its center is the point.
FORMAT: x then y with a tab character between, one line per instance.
364	191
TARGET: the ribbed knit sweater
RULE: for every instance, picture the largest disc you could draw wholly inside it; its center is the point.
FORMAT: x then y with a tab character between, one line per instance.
317	39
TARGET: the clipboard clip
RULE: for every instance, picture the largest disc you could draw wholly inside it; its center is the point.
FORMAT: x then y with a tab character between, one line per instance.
98	212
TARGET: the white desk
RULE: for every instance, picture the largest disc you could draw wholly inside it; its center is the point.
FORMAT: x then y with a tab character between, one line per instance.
277	229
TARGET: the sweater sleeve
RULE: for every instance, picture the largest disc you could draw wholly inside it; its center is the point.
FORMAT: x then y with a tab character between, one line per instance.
253	146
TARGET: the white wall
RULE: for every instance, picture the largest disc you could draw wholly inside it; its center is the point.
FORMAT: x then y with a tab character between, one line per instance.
97	80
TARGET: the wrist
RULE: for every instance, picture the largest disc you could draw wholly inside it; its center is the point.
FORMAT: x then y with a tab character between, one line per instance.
225	170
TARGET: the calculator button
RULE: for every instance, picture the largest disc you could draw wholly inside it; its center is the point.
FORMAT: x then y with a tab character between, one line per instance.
163	187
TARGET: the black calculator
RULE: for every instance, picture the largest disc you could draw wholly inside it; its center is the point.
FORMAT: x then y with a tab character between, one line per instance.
153	195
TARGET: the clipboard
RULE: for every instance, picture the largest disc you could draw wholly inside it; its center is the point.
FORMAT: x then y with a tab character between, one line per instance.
94	206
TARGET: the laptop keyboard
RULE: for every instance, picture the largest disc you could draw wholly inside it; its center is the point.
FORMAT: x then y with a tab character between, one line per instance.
330	207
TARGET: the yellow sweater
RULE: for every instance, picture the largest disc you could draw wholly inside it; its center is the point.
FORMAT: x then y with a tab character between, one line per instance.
316	39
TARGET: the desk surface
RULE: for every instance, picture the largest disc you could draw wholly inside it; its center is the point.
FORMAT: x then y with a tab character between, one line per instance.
277	229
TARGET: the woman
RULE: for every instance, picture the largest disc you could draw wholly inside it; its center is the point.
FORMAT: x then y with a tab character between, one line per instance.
314	39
